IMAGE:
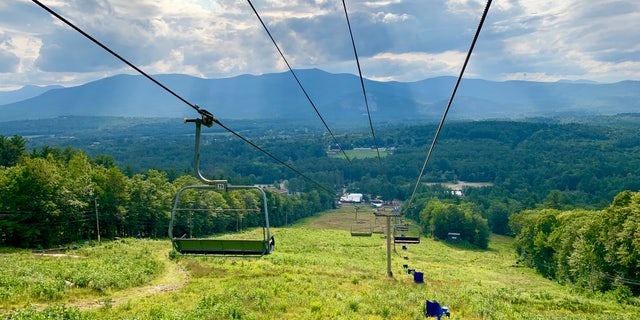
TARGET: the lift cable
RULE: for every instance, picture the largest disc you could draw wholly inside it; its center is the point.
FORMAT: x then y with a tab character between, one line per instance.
364	92
298	80
275	158
207	117
435	138
204	113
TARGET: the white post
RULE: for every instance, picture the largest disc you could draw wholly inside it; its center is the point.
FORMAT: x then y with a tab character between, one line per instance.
95	202
389	272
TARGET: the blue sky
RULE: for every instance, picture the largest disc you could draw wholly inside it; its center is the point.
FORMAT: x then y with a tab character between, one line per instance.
397	40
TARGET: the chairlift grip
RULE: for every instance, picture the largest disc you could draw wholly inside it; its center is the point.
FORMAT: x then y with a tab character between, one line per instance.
196	157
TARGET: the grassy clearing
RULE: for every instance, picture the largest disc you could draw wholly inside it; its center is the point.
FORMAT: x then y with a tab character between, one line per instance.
27	278
359	154
319	271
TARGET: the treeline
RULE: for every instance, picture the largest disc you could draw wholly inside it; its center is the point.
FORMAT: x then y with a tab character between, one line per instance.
558	165
440	218
55	196
594	249
551	188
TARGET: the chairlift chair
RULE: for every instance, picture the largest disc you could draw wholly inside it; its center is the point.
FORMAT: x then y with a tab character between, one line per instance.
215	246
406	233
378	228
361	229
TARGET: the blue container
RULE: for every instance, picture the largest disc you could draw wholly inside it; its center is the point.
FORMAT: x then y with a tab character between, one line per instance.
418	277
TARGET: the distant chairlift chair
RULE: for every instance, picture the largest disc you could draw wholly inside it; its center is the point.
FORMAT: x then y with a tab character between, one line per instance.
406	233
378	228
211	246
361	228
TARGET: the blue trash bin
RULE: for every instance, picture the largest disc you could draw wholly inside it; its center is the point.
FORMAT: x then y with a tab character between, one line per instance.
418	277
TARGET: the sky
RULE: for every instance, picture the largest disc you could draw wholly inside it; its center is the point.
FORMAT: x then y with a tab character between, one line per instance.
396	40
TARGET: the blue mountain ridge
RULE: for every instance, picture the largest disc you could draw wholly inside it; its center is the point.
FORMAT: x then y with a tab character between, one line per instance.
277	96
24	93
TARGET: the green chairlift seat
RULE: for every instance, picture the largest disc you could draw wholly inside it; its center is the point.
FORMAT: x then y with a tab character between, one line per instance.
221	247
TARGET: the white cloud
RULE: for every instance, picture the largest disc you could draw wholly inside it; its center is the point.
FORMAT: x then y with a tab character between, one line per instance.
396	39
566	40
468	7
390	17
412	65
381	3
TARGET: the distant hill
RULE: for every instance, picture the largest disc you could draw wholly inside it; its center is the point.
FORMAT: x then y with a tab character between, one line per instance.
338	97
24	93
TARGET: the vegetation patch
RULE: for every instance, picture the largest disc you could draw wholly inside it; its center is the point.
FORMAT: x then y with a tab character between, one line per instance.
92	270
325	273
360	153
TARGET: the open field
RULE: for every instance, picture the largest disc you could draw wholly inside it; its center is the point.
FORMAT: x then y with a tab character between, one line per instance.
318	271
360	153
459	185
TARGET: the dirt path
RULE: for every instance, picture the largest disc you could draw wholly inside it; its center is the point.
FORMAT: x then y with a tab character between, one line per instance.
174	277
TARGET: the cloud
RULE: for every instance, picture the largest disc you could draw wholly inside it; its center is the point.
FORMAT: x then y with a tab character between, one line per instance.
413	65
391	17
402	40
8	59
560	40
8	62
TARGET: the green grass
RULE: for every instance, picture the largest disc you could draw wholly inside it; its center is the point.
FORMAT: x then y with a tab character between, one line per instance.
91	270
359	154
318	271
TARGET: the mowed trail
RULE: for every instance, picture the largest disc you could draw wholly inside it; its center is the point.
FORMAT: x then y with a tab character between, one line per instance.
174	277
343	218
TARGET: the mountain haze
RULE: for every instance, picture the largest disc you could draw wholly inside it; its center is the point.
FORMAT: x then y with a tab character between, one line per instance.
24	93
336	96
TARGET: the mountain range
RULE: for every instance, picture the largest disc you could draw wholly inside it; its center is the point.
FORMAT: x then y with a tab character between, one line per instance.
336	97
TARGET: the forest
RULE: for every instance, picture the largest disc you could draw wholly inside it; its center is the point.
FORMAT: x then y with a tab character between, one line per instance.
55	197
546	181
595	249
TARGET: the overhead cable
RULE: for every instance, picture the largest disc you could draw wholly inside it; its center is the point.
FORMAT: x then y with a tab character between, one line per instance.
67	22
274	157
207	117
453	94
364	92
298	81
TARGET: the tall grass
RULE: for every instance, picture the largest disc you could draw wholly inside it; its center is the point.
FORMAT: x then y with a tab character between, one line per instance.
35	278
318	271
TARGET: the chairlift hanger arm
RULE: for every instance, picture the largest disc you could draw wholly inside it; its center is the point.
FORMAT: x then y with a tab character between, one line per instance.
207	119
